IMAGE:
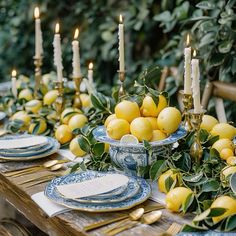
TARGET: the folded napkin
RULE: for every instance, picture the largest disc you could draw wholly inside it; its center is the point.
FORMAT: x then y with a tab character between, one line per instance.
49	207
22	142
66	153
157	196
94	186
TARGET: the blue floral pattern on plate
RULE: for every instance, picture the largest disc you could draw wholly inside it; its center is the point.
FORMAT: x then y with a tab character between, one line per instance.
52	193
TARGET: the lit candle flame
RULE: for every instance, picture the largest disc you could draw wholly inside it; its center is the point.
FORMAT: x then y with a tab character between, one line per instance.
76	35
194	53
13	73
36	12
121	19
90	66
188	39
57	28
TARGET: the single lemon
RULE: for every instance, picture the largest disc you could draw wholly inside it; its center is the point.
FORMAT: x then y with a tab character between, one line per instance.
149	107
162	179
109	118
176	197
158	135
226	202
33	106
169	120
50	97
153	122
75	148
223	130
208	122
141	129
26	94
220	144
231	160
227	171
127	110
129	138
118	128
63	134
225	153
68	113
85	99
23	116
42	127
77	121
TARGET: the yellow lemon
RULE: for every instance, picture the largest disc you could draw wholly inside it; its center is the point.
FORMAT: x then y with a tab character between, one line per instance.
50	97
85	99
118	128
162	179
22	79
208	122
63	134
33	106
158	135
225	153
169	120
26	94
153	122
149	107
176	197
127	110
68	113
228	170
109	118
42	127
223	130
107	147
75	148
226	202
220	144
22	115
77	121
231	160
141	129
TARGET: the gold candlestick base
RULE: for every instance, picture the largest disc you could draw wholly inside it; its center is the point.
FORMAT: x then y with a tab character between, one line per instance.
188	103
38	75
122	79
77	100
59	103
196	147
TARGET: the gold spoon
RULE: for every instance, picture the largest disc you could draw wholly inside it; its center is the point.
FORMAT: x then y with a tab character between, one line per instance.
133	216
147	219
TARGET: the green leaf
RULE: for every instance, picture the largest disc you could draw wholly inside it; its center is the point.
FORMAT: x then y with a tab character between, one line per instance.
211	141
230	224
176	156
36	128
188	202
97	103
193	178
184	163
217	211
225	47
204	215
98	149
206	5
168	183
211	186
193	228
84	144
164	16
157	168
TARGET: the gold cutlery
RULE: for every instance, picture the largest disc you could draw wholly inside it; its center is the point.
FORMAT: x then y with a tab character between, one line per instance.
39	182
174	229
133	216
147	219
38	178
119	218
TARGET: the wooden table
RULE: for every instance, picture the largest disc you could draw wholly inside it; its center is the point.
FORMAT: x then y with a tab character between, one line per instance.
70	223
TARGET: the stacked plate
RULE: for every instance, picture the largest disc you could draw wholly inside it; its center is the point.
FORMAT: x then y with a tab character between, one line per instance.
27	147
98	191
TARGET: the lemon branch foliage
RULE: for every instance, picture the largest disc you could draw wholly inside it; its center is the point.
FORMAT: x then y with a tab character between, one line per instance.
205	180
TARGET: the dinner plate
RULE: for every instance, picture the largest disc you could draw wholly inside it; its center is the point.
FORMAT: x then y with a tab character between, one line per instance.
52	193
55	147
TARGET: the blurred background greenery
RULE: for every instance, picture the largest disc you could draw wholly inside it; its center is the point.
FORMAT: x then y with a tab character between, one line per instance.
155	32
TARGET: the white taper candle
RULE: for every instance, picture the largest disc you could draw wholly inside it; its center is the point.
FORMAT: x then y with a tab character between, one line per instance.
121	45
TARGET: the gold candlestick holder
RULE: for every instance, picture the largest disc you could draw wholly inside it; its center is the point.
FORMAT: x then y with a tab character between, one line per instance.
122	79
77	100
196	147
187	100
38	74
59	103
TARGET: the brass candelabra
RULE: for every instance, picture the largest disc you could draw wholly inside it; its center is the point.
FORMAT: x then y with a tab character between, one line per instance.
77	100
188	103
59	103
38	74
122	79
196	147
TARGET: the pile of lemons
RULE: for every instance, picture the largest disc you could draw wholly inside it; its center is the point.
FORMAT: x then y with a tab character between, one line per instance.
151	122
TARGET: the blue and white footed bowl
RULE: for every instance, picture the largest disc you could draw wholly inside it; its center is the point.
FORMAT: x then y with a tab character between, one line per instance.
129	157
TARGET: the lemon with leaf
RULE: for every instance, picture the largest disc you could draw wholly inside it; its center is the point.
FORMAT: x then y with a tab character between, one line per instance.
26	94
23	116
77	121
38	127
68	113
50	97
75	147
33	106
164	177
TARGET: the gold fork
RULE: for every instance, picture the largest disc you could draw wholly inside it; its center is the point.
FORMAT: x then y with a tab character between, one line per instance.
174	229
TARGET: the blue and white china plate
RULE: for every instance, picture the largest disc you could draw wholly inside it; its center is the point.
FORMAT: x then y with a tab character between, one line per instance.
55	146
2	115
52	193
112	193
130	191
101	135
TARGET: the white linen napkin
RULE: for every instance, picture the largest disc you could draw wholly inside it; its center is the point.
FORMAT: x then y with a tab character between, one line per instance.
49	207
94	186
66	153
157	196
